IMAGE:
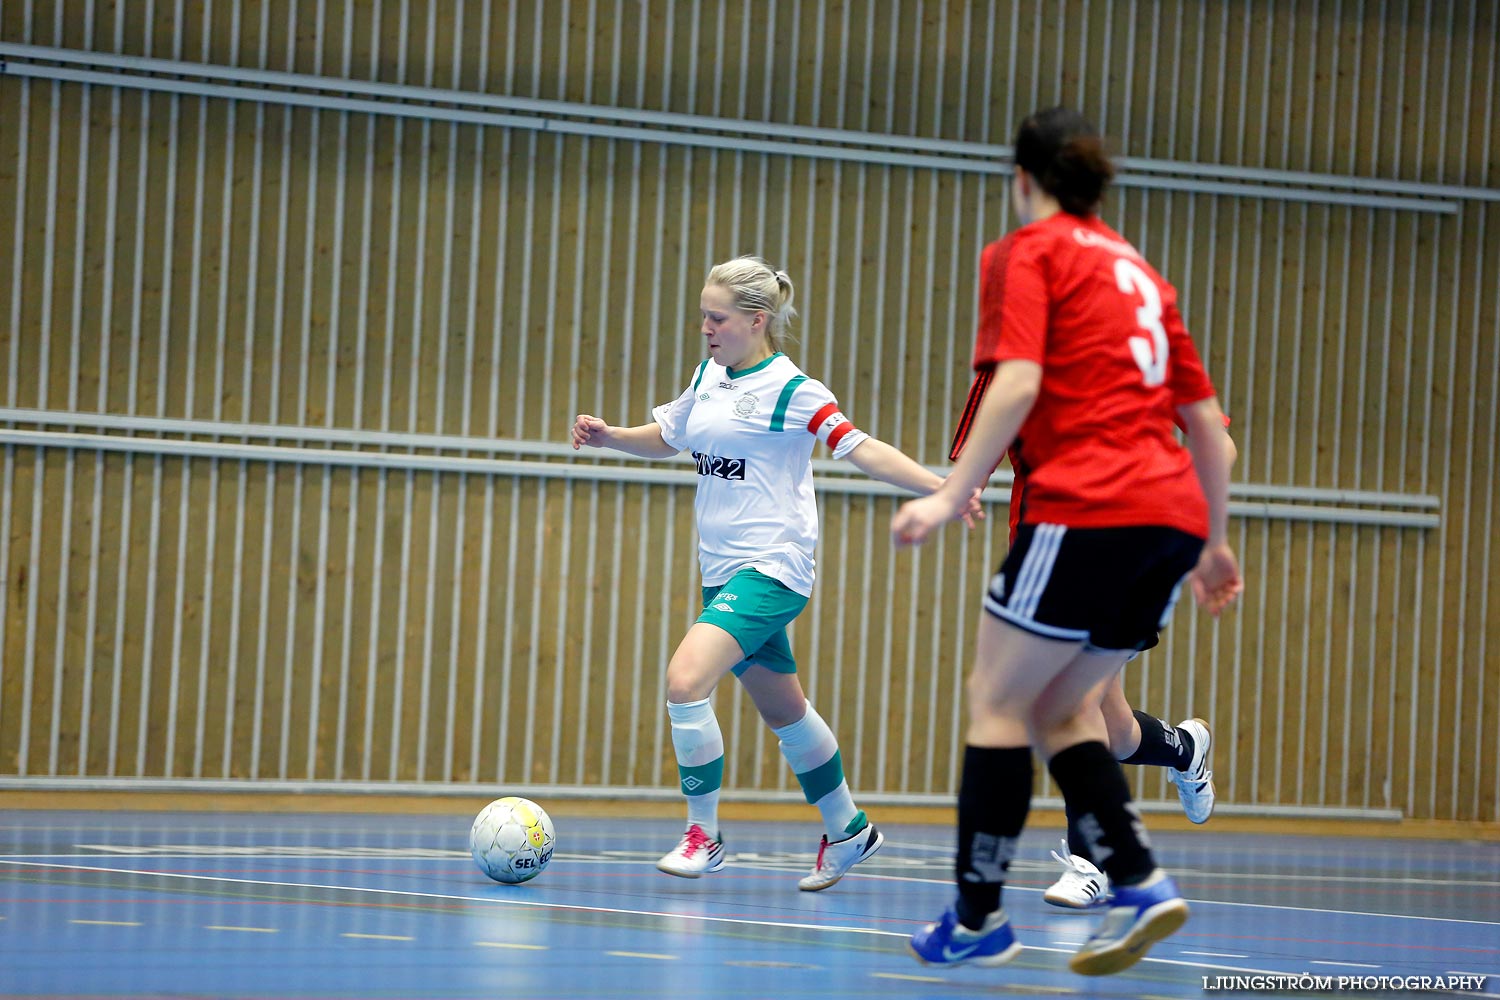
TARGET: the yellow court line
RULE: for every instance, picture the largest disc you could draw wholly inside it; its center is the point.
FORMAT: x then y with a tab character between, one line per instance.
250	930
906	978
108	923
379	937
507	944
642	954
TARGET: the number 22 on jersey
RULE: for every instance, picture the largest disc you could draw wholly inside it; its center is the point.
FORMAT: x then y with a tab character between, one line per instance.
1150	355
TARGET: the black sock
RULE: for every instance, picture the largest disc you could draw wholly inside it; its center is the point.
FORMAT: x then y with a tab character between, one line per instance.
1162	745
994	797
1076	844
1094	787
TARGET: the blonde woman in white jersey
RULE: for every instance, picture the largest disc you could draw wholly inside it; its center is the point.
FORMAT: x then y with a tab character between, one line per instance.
751	418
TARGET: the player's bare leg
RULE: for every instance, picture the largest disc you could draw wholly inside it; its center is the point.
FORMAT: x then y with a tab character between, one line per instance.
704	656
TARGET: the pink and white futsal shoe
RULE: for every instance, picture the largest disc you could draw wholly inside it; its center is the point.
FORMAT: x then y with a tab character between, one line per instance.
695	856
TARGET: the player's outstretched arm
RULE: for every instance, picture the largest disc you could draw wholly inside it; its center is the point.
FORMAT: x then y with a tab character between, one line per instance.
890	464
644	441
1001	414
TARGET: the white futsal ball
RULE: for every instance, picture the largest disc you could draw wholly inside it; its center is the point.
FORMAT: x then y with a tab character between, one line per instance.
511	840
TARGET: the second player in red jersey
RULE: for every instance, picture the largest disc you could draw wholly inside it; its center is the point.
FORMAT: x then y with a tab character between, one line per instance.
1083	362
1135	737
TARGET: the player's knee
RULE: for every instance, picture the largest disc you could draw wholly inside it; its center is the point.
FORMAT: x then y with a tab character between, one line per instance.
1045	717
981	693
781	716
1121	735
1058	723
989	699
685	682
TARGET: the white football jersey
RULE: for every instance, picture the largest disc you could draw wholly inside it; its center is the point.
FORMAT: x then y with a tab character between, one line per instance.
752	434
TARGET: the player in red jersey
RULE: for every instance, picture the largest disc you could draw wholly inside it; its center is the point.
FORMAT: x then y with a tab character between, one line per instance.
1087	360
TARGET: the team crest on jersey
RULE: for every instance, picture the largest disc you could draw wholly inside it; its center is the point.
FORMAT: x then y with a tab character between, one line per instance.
746	404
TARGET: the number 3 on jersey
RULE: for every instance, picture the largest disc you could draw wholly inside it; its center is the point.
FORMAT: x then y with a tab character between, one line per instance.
1151	354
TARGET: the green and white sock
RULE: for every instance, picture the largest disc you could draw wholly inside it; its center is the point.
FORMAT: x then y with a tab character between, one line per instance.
809	747
699	745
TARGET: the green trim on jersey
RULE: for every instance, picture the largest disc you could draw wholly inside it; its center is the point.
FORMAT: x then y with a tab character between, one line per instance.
752	369
703	367
778	416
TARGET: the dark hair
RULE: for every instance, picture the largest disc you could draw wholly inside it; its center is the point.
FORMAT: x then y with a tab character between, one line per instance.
1063	151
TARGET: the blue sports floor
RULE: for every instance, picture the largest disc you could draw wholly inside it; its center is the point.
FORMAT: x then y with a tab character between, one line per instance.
275	905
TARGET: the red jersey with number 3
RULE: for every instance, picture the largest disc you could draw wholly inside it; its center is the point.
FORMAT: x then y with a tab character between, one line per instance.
1098	448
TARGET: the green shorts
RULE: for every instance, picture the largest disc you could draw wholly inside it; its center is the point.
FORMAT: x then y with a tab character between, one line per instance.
755	609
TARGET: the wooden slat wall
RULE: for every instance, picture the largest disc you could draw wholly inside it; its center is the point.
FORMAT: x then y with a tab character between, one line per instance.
187	257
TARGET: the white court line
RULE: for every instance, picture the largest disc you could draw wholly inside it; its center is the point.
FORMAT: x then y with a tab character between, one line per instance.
759	866
468	899
1342	913
282	856
108	923
1212	954
1194	902
437	854
377	937
1356	879
908	978
1009	887
608	909
291	856
510	945
741	921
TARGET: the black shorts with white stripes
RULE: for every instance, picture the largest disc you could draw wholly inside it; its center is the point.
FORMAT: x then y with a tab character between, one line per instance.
1112	588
